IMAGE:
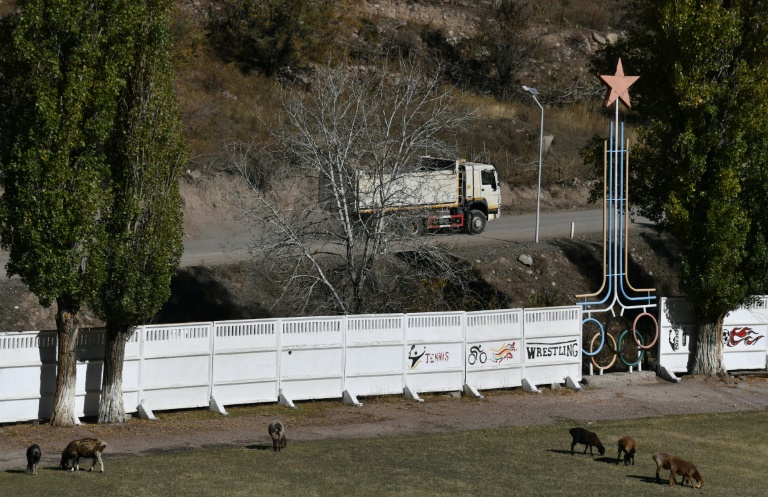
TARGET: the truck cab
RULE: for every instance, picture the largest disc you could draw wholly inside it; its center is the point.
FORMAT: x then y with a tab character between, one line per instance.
481	191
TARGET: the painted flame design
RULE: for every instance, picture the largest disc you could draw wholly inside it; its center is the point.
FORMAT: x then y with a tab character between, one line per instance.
745	334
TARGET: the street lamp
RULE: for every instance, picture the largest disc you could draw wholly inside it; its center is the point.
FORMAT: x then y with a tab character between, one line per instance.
533	93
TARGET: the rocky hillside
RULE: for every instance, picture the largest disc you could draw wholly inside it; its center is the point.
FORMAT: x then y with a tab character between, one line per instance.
568	33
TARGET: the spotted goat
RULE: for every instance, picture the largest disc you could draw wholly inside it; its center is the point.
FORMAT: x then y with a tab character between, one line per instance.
85	447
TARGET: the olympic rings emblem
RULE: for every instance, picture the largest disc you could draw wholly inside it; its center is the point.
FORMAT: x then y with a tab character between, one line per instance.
617	349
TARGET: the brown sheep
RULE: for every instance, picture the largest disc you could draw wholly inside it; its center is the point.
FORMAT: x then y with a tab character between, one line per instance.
276	430
85	447
677	466
627	445
589	439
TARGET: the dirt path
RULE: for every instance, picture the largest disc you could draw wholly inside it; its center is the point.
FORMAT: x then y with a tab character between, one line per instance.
614	396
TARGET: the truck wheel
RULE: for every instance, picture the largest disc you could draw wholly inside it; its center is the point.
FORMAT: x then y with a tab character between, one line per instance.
476	222
414	227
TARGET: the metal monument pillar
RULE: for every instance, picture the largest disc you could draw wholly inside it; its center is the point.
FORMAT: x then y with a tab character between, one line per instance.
617	295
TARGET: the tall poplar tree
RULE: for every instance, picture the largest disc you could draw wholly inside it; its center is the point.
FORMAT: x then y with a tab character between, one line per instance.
62	68
143	220
701	170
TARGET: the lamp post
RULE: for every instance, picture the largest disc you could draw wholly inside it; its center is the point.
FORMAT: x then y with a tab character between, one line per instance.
533	93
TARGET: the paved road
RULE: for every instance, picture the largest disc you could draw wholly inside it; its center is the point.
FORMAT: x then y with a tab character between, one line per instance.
522	228
518	228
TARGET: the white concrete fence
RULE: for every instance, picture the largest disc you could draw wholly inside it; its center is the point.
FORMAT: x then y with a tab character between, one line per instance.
284	360
744	335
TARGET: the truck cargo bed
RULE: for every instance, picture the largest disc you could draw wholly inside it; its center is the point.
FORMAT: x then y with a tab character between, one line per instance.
438	188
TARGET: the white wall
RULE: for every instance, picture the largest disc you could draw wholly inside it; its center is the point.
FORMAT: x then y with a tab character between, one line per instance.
745	333
179	366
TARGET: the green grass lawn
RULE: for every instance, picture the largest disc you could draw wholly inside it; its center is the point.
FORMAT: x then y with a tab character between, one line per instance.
730	450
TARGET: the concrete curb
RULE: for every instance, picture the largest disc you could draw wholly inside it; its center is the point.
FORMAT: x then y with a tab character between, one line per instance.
608	379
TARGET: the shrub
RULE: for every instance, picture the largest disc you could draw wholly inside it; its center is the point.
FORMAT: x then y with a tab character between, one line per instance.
546	298
270	35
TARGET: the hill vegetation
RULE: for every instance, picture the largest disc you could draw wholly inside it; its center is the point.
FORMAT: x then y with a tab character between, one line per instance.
232	62
229	78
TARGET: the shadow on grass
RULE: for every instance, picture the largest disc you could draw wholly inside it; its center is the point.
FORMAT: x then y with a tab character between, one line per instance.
560	451
647	479
606	460
579	453
39	468
259	447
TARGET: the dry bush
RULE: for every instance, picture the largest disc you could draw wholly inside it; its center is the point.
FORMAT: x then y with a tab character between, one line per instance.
594	14
490	108
7	7
497	136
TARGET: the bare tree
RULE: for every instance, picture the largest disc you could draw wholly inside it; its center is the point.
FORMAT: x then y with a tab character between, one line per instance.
339	248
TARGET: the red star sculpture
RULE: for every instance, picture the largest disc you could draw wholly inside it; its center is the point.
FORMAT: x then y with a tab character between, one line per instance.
618	86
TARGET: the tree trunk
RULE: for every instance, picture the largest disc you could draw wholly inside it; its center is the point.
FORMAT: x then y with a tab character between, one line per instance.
66	376
111	408
707	355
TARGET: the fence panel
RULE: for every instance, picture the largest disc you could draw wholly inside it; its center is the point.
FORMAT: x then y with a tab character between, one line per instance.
435	351
375	354
552	344
27	375
745	332
312	358
177	367
91	344
494	349
744	335
677	327
245	366
90	367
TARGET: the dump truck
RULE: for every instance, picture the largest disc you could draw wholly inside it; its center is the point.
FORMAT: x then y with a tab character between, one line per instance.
435	194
